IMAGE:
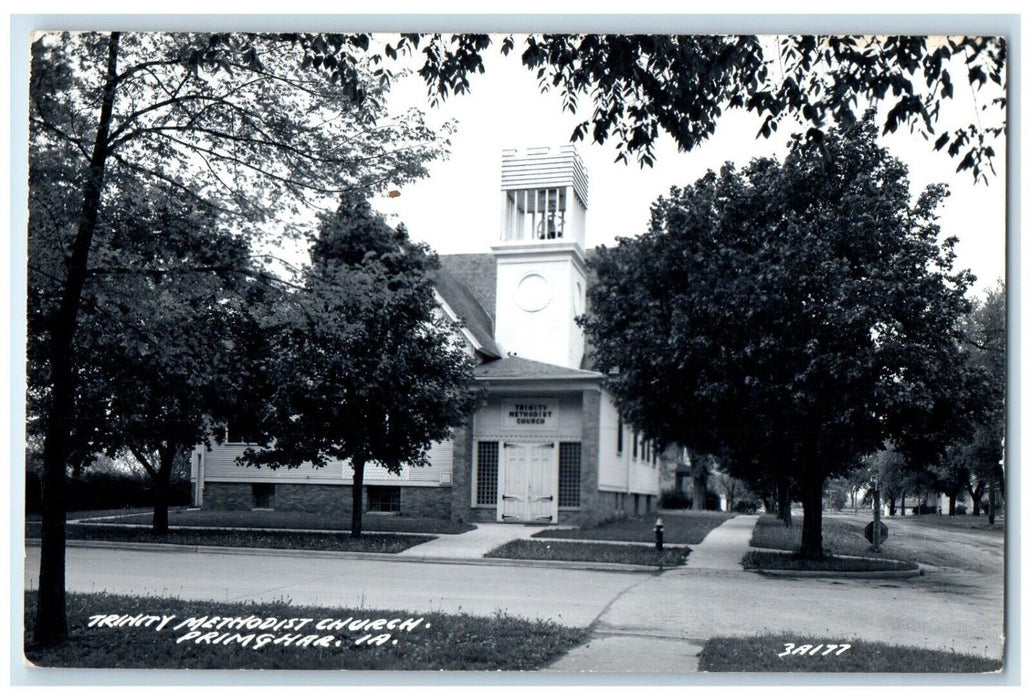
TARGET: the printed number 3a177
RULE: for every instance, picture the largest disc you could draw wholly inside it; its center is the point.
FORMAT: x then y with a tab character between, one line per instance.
811	650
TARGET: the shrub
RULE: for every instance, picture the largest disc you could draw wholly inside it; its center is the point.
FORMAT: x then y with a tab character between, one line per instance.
672	499
105	490
748	507
961	509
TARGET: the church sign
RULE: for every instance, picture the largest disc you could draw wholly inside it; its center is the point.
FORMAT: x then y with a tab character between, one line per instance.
529	414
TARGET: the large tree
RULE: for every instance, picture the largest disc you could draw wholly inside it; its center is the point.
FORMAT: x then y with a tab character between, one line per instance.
790	317
243	124
360	365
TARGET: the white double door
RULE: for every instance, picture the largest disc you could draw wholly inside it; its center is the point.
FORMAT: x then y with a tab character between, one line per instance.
528	482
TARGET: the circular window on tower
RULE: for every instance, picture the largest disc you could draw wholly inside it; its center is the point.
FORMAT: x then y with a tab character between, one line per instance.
533	292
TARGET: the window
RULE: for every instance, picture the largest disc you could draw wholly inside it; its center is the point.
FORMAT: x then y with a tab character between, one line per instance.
635	444
619	436
486	473
569	475
384	499
264	496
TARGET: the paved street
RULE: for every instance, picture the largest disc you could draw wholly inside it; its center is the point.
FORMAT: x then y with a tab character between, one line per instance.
573	597
642	622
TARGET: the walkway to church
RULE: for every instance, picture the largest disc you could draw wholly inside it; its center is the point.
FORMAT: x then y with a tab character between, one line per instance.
473	544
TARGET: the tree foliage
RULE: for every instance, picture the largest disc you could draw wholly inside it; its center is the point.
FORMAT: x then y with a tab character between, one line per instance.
639	86
972	462
789	318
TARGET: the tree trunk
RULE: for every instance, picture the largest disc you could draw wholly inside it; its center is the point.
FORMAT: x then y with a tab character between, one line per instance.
952	504
902	512
698	499
162	480
991	504
784	501
51	624
812	518
356	498
975	497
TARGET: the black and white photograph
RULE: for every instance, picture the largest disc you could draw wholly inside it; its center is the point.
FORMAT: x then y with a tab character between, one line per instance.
608	352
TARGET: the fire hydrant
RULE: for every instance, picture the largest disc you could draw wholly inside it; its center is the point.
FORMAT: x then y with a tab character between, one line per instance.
658	535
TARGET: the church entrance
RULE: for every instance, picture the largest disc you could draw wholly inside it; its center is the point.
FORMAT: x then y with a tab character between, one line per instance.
528	481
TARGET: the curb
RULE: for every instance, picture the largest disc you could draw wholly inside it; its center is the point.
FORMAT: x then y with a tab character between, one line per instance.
784	573
887	573
375	556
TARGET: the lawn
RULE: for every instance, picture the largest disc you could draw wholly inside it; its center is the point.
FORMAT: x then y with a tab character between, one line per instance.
371	522
590	551
364	639
955	522
333	542
771	653
686	528
839	537
784	561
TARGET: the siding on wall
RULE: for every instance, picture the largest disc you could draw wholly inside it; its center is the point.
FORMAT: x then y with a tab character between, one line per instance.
621	472
612	468
220	465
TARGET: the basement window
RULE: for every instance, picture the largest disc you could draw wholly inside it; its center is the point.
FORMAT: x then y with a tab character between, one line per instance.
384	499
264	496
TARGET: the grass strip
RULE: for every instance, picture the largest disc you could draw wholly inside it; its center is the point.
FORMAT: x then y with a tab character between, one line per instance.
332	542
839	537
771	654
785	561
433	641
687	528
302	521
590	551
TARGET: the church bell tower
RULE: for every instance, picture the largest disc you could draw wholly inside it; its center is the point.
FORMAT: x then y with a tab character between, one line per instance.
541	275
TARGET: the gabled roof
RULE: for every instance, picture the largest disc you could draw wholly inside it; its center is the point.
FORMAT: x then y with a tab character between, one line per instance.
515	367
478	272
468	309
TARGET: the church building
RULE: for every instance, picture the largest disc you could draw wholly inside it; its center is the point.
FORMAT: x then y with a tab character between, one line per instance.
548	446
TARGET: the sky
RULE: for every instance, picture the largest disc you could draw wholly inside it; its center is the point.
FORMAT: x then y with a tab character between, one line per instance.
457	208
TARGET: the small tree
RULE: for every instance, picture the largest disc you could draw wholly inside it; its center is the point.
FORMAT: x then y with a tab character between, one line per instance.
362	365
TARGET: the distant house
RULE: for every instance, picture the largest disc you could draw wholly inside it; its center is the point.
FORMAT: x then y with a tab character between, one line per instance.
549	445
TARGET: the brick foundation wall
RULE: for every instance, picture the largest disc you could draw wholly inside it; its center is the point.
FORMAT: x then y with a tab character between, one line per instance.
219	496
426	502
418	501
314	498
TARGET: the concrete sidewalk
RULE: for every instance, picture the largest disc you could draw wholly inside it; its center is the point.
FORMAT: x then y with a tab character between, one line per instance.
725	547
650	645
473	544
